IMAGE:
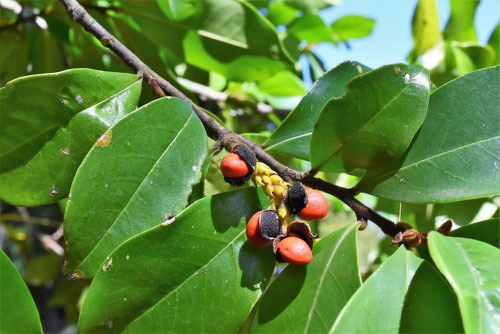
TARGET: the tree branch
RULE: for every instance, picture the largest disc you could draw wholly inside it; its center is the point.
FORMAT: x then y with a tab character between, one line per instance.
216	130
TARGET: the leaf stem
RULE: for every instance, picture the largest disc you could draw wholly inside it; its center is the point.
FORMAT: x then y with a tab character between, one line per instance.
216	130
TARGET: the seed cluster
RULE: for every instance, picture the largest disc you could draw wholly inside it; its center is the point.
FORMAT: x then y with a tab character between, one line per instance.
292	240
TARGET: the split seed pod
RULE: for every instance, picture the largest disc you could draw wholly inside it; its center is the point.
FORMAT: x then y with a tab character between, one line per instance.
263	228
246	154
295	247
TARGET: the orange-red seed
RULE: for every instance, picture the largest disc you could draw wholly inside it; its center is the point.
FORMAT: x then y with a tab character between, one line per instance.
295	251
233	166
317	206
253	233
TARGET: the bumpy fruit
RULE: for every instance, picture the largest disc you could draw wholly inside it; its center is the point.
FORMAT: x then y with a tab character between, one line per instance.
233	166
263	228
295	251
317	206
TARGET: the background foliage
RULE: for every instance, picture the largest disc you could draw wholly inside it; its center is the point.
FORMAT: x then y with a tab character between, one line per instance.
91	144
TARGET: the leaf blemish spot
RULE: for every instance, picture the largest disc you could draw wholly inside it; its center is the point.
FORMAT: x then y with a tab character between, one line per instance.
63	101
53	191
359	68
151	182
107	265
105	139
407	78
110	324
195	168
64	152
127	256
79	99
397	70
168	221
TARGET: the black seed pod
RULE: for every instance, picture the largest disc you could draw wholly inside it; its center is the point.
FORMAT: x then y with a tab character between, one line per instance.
296	200
247	155
269	225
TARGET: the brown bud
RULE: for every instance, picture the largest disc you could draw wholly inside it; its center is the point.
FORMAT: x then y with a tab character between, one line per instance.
445	228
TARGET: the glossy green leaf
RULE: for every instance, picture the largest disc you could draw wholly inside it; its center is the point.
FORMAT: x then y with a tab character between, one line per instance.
352	27
487	231
18	313
460	26
471	267
374	122
312	29
494	42
424	27
307	299
176	10
455	154
293	135
224	36
376	307
196	275
51	122
283	84
430	305
140	170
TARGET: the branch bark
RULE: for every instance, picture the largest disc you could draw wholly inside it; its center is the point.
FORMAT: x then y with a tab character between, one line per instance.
216	130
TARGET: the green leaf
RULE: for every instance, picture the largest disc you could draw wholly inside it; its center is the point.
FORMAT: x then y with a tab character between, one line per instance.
18	313
460	26
176	10
313	6
471	267
462	213
140	170
487	231
425	27
309	298
430	305
455	155
312	29
196	275
494	42
376	307
53	120
374	122
352	27
280	13
224	36
283	84
293	135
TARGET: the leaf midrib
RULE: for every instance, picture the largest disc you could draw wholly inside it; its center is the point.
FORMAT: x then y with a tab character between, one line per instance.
323	275
429	158
136	190
186	280
59	124
355	133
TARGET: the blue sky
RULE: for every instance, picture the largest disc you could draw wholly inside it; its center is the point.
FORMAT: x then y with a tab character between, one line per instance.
391	39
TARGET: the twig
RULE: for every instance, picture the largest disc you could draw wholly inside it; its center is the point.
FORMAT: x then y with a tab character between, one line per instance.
47	240
216	130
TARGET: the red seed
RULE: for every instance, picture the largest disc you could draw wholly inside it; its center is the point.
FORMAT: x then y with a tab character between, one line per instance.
295	251
317	206
253	233
233	166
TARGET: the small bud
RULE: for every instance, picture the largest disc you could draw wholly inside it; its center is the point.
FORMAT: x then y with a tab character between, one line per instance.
445	228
